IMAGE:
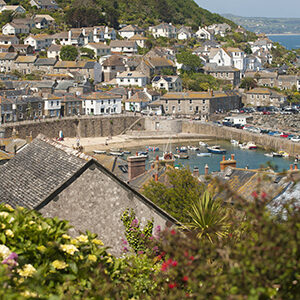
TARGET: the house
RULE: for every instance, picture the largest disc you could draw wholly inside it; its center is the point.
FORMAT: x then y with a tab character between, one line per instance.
45	64
7	62
264	45
137	102
112	66
54	51
155	66
61	182
102	33
124	47
25	64
220	57
227	73
52	105
100	49
253	63
139	39
44	4
129	31
199	103
168	83
14	29
73	37
237	58
7	48
2	3
288	82
40	22
100	103
131	78
220	29
39	41
89	69
71	105
264	78
203	34
8	40
264	97
164	30
184	33
49	19
14	8
23	49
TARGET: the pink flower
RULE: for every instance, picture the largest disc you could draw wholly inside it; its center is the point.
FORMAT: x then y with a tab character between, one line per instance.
174	263
185	278
254	194
263	195
164	266
140	252
173	232
192	257
172	285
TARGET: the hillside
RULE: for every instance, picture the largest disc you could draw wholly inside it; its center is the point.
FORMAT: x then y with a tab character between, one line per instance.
112	12
267	25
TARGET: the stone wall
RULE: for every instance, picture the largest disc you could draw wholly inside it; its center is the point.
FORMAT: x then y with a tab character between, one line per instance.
228	133
72	127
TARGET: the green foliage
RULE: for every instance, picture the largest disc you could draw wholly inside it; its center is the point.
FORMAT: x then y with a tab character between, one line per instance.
87	52
191	61
199	82
68	53
182	190
136	237
209	218
5	17
248	83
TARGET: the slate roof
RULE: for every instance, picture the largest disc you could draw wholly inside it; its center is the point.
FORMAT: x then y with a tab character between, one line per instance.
114	60
122	43
37	171
45	62
140	97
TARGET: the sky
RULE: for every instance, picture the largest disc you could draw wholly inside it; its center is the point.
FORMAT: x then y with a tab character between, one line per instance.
254	8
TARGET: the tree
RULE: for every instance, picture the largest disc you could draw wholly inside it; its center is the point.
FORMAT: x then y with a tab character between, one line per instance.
68	53
248	83
191	61
87	52
209	218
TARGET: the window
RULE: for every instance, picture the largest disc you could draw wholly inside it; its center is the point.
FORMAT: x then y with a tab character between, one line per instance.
167	108
191	108
102	101
178	101
191	101
51	103
167	101
122	80
136	80
92	102
57	102
40	105
179	108
114	101
203	101
108	101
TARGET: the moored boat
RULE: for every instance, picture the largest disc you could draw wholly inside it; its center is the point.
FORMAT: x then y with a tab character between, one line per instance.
99	151
193	148
204	154
143	153
127	152
152	149
234	142
181	156
248	146
116	153
202	144
216	150
284	154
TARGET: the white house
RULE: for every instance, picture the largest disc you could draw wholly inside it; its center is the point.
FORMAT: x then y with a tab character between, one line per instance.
184	33
138	102
14	8
164	30
203	34
237	57
124	47
132	78
54	51
2	3
129	31
253	63
220	29
168	83
219	57
100	103
39	41
52	106
13	29
264	45
100	49
72	37
140	40
102	33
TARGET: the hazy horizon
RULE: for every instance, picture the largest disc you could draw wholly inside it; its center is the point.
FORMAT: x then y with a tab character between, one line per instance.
249	8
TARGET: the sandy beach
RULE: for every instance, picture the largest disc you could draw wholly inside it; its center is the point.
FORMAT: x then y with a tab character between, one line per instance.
126	142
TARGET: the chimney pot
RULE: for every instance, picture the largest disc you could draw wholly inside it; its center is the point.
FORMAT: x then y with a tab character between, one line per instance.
223	157
296	167
291	167
232	156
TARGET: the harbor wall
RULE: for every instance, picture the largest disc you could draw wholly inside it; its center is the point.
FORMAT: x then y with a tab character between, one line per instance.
72	127
261	140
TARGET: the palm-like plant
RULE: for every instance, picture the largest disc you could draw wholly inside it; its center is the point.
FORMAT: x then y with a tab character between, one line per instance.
208	218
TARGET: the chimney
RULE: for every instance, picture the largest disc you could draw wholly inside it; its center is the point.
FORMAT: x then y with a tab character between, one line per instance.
296	167
196	172
291	167
227	163
206	170
70	35
106	29
136	166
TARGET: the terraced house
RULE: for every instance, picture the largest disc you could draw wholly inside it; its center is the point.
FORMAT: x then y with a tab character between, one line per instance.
264	97
200	103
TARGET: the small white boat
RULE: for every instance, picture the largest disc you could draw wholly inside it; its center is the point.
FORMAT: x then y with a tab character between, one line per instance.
99	151
248	146
234	142
116	153
275	154
216	150
193	148
127	152
202	144
204	154
181	156
269	154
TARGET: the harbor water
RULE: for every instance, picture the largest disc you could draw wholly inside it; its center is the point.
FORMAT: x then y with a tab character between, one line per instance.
253	159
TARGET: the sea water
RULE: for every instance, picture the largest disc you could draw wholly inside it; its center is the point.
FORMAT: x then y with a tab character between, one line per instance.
291	41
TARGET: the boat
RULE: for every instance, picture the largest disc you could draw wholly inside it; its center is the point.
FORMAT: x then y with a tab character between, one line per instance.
248	146
284	154
204	154
181	156
276	154
99	151
127	152
234	142
193	148
116	153
181	149
143	153
202	144
216	150
152	149
269	154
